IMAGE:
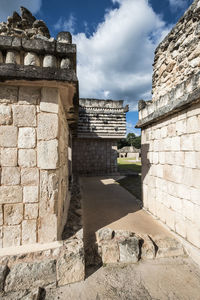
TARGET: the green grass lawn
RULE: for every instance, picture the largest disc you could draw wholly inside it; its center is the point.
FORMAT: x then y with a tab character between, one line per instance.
131	182
125	164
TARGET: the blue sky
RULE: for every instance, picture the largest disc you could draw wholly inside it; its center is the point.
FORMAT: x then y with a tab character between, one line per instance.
115	40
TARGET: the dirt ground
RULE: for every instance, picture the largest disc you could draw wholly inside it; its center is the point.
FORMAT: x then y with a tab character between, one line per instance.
162	279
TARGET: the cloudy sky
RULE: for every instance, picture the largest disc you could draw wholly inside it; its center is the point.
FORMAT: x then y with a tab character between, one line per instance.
115	39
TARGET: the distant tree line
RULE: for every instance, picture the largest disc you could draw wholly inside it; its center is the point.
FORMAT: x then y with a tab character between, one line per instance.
130	140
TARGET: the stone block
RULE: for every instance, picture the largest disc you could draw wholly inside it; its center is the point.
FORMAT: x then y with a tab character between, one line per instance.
3	273
49	100
5	132
8	94
71	264
29	232
31	59
31	211
29	95
13	214
24	115
195	195
11	236
180	225
8	157
5	115
31	275
27	158
129	250
10	194
26	137
109	252
196	141
29	176
175	203
193	233
175	143
13	57
195	178
147	248
47	152
47	126
48	192
170	218
65	63
168	247
1	215
192	124
47	229
30	194
49	61
104	234
181	127
10	175
187	143
188	210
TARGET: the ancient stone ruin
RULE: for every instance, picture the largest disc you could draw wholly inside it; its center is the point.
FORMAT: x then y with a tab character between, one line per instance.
170	126
101	124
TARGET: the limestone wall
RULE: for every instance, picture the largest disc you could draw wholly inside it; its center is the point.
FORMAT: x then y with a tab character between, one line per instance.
171	172
178	55
34	165
94	156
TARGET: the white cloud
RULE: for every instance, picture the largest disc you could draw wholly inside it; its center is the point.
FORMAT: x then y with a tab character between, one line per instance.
7	7
176	4
66	25
116	61
130	127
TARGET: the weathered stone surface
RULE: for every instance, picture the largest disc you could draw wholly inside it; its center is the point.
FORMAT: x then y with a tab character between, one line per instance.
31	275
109	251
64	37
31	59
13	214
31	211
104	234
3	273
26	137
168	247
47	154
29	176
5	115
47	126
129	250
29	228
70	266
6	131
29	95
65	63
8	157
24	115
50	61
10	175
12	57
11	236
47	231
8	94
148	250
27	158
49	100
30	194
10	194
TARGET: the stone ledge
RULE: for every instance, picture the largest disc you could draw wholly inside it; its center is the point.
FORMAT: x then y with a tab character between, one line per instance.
33	73
176	100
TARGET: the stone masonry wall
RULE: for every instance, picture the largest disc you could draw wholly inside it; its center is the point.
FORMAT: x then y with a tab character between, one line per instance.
171	172
33	164
178	55
94	156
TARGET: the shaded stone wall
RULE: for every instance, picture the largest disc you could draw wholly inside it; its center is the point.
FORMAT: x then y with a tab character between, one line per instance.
94	156
171	133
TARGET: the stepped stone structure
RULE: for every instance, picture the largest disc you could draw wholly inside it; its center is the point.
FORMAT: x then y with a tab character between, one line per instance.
129	151
101	123
170	126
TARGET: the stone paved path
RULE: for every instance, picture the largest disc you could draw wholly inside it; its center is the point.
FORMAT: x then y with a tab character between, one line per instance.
162	279
107	204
